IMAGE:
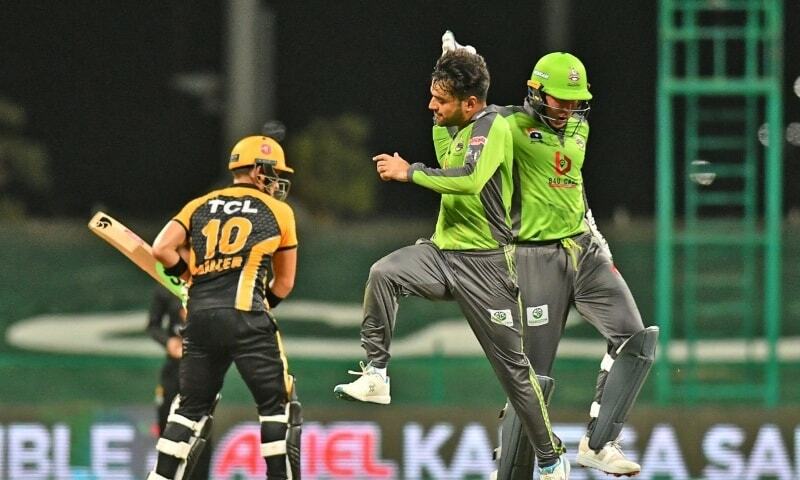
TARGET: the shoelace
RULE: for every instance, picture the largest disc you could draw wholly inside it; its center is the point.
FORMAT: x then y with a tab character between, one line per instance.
615	444
364	369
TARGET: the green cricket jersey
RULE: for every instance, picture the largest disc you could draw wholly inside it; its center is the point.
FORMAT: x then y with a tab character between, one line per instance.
548	201
475	183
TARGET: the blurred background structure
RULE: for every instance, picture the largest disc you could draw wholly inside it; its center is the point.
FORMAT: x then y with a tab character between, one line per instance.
132	108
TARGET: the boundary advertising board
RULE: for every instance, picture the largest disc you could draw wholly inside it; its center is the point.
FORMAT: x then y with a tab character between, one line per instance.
406	443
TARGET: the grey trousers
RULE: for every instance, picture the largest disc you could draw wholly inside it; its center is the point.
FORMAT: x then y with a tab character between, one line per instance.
484	286
554	276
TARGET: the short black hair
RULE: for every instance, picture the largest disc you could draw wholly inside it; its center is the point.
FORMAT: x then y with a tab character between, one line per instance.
242	170
462	74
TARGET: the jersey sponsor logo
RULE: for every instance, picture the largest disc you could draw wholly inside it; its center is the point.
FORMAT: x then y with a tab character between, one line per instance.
501	317
561	182
580	142
231	206
480	140
541	74
562	164
537	316
534	134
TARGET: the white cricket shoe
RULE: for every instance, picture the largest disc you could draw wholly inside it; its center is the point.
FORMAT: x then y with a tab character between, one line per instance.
370	387
610	459
557	471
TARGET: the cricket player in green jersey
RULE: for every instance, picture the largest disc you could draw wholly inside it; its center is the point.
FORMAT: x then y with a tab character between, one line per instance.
563	260
468	259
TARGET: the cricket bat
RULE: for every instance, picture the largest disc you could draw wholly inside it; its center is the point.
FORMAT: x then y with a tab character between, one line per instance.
136	249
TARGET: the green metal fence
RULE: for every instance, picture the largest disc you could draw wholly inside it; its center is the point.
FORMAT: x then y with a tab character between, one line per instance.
718	268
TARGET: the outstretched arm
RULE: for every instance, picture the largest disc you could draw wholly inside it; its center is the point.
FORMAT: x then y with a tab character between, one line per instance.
480	163
486	149
466	180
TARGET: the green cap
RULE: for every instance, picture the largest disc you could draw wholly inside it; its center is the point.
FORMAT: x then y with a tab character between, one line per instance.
561	75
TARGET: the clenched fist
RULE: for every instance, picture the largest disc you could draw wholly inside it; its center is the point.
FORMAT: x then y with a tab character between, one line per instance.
391	167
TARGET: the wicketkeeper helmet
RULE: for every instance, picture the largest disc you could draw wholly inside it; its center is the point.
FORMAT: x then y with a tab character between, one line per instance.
560	75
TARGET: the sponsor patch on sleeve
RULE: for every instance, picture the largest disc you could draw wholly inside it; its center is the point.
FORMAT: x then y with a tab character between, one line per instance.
480	140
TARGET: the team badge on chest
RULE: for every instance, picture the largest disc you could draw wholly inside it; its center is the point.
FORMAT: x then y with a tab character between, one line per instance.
534	134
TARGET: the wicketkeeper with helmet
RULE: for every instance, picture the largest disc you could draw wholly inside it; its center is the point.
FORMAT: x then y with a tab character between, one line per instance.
563	260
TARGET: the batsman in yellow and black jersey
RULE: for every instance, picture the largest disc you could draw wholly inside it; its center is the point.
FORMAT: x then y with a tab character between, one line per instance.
225	244
233	234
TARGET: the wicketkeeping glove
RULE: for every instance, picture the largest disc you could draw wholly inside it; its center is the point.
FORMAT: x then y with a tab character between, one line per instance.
449	44
589	218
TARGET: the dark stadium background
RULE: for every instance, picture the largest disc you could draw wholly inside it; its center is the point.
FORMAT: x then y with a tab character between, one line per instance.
95	79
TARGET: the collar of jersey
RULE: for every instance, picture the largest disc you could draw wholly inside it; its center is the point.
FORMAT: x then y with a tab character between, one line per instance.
243	185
